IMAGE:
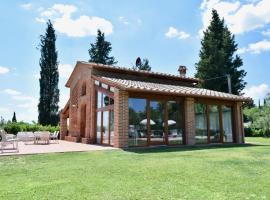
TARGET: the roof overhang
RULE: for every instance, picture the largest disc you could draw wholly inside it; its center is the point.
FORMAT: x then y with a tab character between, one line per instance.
165	89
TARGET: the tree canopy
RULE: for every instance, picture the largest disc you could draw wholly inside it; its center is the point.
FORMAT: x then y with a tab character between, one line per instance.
218	58
142	64
49	77
99	52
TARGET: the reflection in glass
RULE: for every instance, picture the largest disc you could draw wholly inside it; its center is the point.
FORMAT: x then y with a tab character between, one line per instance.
112	127
157	122
201	123
137	122
214	124
99	100
99	128
175	122
227	123
105	129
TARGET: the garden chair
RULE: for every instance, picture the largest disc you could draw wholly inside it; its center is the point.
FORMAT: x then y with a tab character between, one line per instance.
54	136
21	136
29	137
43	136
7	139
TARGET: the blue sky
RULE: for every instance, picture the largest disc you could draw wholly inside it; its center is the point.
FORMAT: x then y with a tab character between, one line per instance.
166	32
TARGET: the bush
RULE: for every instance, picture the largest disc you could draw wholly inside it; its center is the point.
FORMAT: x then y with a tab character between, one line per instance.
12	128
15	127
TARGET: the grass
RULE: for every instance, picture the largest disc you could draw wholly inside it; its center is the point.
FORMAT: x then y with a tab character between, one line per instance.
227	172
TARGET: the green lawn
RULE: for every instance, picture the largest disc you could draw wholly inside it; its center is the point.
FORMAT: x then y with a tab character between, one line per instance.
228	172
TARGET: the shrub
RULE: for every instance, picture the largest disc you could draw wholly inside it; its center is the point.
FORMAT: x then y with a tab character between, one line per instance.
15	127
12	128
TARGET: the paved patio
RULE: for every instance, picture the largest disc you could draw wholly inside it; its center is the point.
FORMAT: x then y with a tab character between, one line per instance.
53	147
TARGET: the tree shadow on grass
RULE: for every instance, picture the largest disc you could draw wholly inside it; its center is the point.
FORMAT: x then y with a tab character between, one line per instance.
166	149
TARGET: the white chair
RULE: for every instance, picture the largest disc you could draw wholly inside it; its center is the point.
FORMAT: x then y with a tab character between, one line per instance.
21	136
29	137
54	136
8	139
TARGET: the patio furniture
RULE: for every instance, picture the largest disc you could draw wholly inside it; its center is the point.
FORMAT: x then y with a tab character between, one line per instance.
7	139
42	136
54	136
29	137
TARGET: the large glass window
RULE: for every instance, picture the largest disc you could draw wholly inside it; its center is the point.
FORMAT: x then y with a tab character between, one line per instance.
201	123
105	124
137	122
214	124
157	122
99	100
112	127
105	129
227	124
175	122
99	127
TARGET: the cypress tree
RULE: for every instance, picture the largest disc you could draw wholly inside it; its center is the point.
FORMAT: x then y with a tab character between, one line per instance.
14	119
142	65
49	77
99	52
218	58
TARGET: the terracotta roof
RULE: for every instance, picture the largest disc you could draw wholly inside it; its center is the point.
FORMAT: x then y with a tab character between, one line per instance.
132	85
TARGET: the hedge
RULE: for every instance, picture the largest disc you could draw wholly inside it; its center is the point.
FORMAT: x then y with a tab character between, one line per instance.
15	127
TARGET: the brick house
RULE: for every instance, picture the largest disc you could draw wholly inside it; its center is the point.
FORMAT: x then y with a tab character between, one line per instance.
127	108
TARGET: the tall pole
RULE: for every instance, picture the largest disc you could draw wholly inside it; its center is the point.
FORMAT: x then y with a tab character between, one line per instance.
229	83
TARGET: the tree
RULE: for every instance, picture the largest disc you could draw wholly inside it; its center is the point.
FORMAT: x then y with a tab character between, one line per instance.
14	117
49	77
218	58
267	100
100	50
142	65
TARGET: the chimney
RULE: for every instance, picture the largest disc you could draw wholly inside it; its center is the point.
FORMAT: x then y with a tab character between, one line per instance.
182	70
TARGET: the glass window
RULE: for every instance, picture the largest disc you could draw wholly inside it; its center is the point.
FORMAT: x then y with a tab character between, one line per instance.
106	100
227	124
157	122
175	122
105	129
96	82
201	123
105	86
99	100
112	127
137	122
99	127
214	123
112	89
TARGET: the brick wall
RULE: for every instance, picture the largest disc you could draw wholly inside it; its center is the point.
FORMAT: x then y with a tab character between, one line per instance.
120	119
238	122
189	121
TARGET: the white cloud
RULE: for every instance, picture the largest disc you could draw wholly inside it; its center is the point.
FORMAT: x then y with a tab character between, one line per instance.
257	92
174	33
239	17
256	48
65	70
12	92
61	16
27	6
23	98
266	33
4	70
123	20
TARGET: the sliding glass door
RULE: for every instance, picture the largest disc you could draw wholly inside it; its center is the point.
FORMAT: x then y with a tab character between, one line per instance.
154	122
213	123
157	125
